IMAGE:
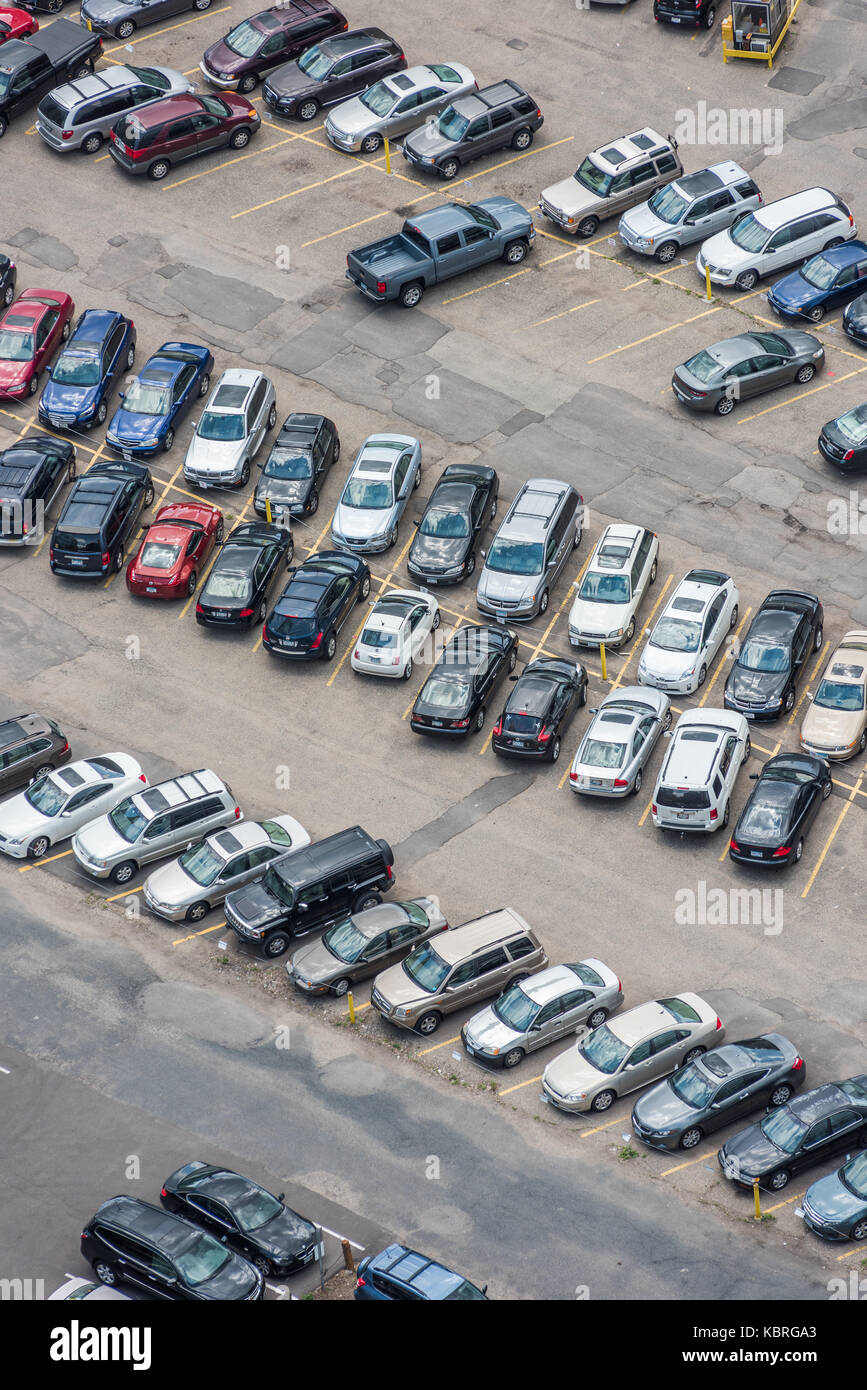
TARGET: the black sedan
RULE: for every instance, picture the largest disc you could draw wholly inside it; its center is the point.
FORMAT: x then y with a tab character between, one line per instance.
785	632
855	320
719	1086
235	594
781	808
539	709
454	698
315	604
836	1206
244	1215
460	507
815	1126
297	466
748	365
843	441
8	277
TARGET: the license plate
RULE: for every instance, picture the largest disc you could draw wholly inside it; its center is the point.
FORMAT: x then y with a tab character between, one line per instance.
150	589
470	1052
76	562
127	453
432	581
375	660
500	613
437	723
756	853
748	715
597	781
519	743
221	612
674	19
682	815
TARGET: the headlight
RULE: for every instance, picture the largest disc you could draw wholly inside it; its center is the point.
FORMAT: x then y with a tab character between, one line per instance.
687	674
663	1133
453	569
618	632
430	160
405	1012
577	1095
225	76
18	841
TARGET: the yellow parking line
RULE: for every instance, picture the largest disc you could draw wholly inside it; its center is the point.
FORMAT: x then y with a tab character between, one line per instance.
295	191
128	894
200	584
826	385
819	659
534	149
181	939
637	643
787	1202
156	504
425	1050
238	159
358	1008
37	863
540	646
491	285
722	661
520	1086
660	333
831	837
849	1254
166	29
574	310
351	227
608	1123
677	1167
355	636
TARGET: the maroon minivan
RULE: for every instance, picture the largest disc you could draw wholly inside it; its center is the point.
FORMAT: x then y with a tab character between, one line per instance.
153	138
265	40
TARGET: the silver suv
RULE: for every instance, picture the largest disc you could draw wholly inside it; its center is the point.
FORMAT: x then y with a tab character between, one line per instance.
242	407
540	530
152	823
80	114
689	209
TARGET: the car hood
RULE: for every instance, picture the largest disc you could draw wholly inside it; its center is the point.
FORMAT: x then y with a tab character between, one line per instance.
12	373
353	117
660	1108
18	818
287	490
214	455
722	251
234	1281
642	222
108	9
487	1031
315	962
62	398
794	291
220	58
438	551
360	523
570	196
598	617
856	312
99	840
832	1201
172	886
832	728
656	661
767	686
132	428
495	586
570	1072
290	81
754	1153
255	906
396	987
286	1235
427	141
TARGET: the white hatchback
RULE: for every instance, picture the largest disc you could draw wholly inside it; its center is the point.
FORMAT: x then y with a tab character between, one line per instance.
689	633
60	803
695	784
399	624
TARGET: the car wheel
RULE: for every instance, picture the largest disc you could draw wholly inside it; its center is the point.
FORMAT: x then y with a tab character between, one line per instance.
38	847
272	417
43	771
435	621
277	945
597	1018
313	503
192	582
710	17
748	748
168	440
428	1023
691	1137
65	332
603	1101
859	1231
835	241
582	696
219	533
407	671
264	1266
666	723
330	647
630	632
543	602
636	785
91	143
101	412
392	540
365	587
263	611
747	280
827	789
522	139
159	169
54	6
555	750
105	1273
513	658
201	4
702	676
10	289
117	562
205	384
34	384
149	494
816	314
652	579
693	1053
494	506
480	720
335	456
470	566
576	537
726	814
366	900
798	851
239	138
371	143
667	252
340	987
122	873
863	742
778	1180
733	620
197	912
513	1057
124	30
779	1096
818	639
805	373
789	702
725	405
248	83
450	169
130	356
515	252
4	126
307	111
411	295
589	226
245	474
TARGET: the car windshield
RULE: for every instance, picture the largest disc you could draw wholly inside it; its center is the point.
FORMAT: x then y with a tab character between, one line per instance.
345	941
46	796
16	347
158	555
592	177
202	864
839	695
379	99
819	272
690	1086
703	367
854	1176
445	694
783	1129
516	1009
603	1050
283	892
676	635
514	557
314	63
235	586
128	820
604	588
438	521
377	637
759	656
748	233
426	968
367	493
599	752
201	1260
74	370
255	1209
143	398
150	77
217	424
452	124
668	205
854	424
285	463
245	40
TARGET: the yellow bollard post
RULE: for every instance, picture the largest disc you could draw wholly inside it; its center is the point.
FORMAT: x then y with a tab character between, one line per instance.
351	1007
602	655
387	156
707	281
268	509
758	1216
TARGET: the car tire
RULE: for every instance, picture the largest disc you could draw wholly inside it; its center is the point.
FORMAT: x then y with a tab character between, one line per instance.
805	373
779	1096
34	384
666	252
411	294
629	633
435	621
159	169
272	417
652	579
429	1023
38	847
827	789
859	1231
248	83
543	602
168	440
818	639
122	873
149	494
407	671
582	696
340	987
733	619
588	226
513	659
105	1273
308	110
313	503
726	815
789	702
863	742
597	1018
43	771
191	583
130	357
371	143
125	29
205	384
577	537
91	143
330	647
702	676
725	405
239	138
667	721
245	474
603	1101
835	241
778	1180
197	912
691	1137
449	169
365	587
264	1266
513	1057
392	540
263	611
65	331
816	314
277	945
522	139
515	252
710	17
201	4
555	750
4	126
10	289
54	6
220	532
747	280
369	898
335	455
117	562
748	748
797	852
101	412
693	1053
479	723
636	785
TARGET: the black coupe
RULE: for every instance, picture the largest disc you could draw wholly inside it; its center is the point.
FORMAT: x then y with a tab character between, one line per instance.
813	1127
781	808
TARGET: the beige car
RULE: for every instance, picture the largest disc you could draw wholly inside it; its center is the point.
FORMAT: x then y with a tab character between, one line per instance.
611	180
457	969
835	725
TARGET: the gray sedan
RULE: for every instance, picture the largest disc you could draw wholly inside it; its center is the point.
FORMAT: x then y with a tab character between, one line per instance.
748	365
540	1009
364	944
397	104
619	742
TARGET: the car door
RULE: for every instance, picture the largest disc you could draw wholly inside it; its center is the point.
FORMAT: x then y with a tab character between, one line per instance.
736	1098
431	101
548	1025
25	87
178	140
257	416
340	601
52	478
183	393
211	132
844	1131
802	645
277	49
667	1050
478	139
113	359
451	256
379	953
644	181
418	626
131	1258
816	1145
637	1069
45	335
619	195
321	457
405	115
491	975
85	805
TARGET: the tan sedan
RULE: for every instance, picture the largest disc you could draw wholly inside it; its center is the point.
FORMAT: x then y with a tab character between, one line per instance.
835	725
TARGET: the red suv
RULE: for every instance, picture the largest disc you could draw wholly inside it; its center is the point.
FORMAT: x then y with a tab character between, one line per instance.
154	138
267	39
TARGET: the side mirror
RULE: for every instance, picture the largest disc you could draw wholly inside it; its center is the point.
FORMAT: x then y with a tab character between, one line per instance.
594	711
809	694
754	776
666	733
302	907
483	553
280	1196
121	395
195	424
514	678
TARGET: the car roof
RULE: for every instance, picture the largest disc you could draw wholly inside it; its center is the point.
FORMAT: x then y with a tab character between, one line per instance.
448	217
302	865
144	1219
177	791
532	693
705	181
22	726
233	389
534	507
181	104
635	1024
300	429
244	834
691	758
630	149
379	918
456	496
479	103
338	45
412	79
614	725
847	253
550	984
814	1105
93	328
409	1267
455	945
94	84
75	775
702	589
775	624
615	547
784	210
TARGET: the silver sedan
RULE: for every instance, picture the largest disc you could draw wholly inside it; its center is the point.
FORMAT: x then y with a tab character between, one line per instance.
60	803
397	104
619	742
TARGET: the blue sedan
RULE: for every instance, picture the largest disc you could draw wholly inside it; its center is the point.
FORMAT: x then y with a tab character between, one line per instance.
158	399
826	281
79	384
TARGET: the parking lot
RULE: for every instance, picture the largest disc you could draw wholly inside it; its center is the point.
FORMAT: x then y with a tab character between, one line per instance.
560	368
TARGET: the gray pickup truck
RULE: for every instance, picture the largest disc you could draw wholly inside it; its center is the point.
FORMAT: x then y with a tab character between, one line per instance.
438	244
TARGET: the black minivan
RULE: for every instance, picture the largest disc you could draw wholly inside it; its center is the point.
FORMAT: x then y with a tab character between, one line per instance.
33	473
310	888
99	517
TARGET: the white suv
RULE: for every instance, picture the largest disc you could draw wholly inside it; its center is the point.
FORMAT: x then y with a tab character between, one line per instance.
775	236
695	784
242	407
618	575
688	635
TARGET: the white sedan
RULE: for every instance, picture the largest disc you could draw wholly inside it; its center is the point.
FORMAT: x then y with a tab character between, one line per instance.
399	624
60	803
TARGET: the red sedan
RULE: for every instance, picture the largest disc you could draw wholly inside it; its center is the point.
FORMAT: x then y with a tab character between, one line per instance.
169	560
30	331
16	24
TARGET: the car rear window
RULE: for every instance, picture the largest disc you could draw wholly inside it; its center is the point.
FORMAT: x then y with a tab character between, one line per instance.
683	799
72	540
679	1009
136	135
51	110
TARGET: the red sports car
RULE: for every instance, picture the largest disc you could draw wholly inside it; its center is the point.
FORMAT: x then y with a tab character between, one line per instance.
30	331
16	24
169	560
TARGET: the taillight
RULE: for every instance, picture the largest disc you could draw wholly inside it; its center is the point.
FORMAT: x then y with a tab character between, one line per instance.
199	608
714	815
237	813
264	631
761	198
401	58
653	808
66	135
619	987
498	727
163	1192
248	613
106	559
781	853
538	114
798	1064
316	641
65	748
718	1023
573	776
543	735
848	455
359	1283
380	287
389	873
51	554
142	778
355	653
851	220
620	782
459	723
733	844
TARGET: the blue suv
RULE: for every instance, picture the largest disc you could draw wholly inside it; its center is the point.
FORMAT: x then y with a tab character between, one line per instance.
158	399
79	384
401	1274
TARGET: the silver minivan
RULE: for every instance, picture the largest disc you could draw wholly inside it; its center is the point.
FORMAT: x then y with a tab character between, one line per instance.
541	529
80	114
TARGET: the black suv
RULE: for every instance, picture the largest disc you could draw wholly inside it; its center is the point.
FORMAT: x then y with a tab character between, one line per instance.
30	746
32	475
697	14
99	517
310	888
133	1242
478	124
315	604
332	71
296	468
